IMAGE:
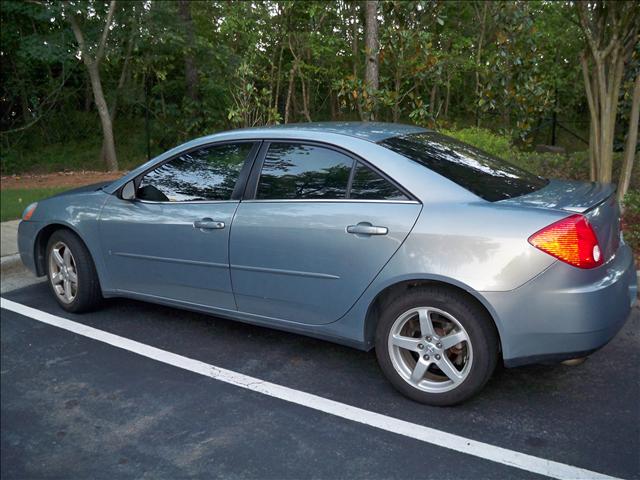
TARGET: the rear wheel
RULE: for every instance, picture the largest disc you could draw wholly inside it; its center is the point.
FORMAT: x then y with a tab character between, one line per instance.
436	346
72	275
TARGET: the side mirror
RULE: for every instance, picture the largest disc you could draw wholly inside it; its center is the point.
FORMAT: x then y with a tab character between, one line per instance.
129	191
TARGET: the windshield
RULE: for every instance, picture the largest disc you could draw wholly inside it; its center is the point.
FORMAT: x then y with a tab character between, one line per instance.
479	172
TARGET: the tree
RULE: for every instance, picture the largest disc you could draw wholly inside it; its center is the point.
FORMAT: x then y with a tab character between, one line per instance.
371	51
190	67
92	62
610	32
632	142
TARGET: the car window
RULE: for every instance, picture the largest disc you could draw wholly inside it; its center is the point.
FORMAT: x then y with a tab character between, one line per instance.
479	172
294	171
207	173
370	185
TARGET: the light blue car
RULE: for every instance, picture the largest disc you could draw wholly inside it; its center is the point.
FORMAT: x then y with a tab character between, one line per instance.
442	258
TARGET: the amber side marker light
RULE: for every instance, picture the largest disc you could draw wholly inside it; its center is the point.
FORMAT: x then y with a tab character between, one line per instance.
571	240
28	212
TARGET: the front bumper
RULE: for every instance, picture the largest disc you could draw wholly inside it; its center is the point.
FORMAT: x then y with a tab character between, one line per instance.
565	312
27	234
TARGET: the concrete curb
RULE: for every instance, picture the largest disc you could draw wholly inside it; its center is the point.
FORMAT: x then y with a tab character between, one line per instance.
10	261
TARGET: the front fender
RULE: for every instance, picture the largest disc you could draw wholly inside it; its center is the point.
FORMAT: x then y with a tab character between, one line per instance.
78	213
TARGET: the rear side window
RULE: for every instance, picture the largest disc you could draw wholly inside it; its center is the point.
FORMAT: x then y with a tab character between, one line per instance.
205	174
294	171
369	185
479	172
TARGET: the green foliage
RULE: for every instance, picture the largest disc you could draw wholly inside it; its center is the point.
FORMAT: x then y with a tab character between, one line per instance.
571	167
13	202
80	150
493	143
505	66
252	105
631	219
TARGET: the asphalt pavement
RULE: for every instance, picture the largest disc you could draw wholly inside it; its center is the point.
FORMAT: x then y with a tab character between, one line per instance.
74	407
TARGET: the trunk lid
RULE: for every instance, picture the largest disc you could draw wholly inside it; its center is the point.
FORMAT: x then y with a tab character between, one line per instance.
596	201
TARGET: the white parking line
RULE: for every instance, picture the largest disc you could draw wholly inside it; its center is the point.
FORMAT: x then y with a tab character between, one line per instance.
457	443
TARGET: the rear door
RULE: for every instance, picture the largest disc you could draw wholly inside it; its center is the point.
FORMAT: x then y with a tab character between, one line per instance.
171	241
316	228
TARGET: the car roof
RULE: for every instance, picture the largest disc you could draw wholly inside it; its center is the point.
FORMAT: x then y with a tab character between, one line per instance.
371	131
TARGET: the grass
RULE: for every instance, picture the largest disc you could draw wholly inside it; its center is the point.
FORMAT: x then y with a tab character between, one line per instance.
14	201
81	152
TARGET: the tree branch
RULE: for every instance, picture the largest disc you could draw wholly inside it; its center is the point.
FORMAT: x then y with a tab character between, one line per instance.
105	32
77	32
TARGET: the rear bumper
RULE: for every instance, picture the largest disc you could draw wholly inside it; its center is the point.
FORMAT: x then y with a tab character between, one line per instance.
565	312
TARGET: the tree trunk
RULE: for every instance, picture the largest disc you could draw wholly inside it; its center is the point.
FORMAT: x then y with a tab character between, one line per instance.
276	100
602	92
93	68
88	94
447	96
632	142
355	52
333	104
610	33
432	100
396	88
190	67
105	119
305	98
371	50
483	23
287	107
114	104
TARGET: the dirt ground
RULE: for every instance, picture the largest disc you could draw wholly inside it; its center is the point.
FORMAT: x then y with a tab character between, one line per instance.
58	179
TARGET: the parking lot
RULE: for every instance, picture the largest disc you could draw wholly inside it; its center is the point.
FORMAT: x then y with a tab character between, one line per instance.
75	406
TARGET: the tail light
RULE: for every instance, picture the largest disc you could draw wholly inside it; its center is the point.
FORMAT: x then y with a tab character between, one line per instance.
571	240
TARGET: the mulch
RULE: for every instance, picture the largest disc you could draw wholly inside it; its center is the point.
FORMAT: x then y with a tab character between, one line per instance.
57	179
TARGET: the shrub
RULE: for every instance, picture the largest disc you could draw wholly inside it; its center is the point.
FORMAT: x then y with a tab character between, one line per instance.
574	166
631	221
493	143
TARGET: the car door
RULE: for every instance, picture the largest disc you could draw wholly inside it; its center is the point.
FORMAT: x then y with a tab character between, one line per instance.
315	228
171	241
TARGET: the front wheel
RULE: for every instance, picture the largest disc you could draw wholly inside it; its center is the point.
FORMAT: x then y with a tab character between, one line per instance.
436	346
72	275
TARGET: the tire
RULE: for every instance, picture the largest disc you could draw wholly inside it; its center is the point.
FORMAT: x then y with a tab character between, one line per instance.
67	258
412	360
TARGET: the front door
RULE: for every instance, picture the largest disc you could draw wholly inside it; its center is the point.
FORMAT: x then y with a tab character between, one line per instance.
171	242
310	242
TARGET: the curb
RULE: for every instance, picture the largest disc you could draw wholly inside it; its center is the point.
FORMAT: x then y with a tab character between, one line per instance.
10	261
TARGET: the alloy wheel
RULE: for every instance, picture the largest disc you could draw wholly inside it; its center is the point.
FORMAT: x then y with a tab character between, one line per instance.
430	349
63	273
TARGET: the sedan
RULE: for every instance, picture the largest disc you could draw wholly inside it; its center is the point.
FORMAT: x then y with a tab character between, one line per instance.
441	257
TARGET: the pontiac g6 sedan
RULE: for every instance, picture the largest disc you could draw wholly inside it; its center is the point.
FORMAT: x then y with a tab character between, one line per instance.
443	258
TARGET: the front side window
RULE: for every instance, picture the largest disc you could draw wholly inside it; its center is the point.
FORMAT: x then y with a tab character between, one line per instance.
369	185
479	172
204	174
294	171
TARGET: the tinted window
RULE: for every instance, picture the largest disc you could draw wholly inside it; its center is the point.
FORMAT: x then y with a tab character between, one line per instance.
208	173
479	172
303	171
369	185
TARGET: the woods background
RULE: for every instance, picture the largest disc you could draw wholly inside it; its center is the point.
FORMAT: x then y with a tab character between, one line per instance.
90	85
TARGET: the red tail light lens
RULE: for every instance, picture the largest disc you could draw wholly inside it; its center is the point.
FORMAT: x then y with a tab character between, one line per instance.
571	240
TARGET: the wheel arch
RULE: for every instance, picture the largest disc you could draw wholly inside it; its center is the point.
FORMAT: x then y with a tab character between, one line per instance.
42	238
401	286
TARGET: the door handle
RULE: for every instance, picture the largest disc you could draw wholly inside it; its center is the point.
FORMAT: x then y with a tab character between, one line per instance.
208	224
365	228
